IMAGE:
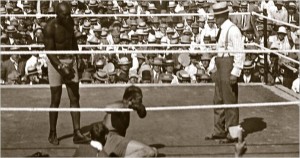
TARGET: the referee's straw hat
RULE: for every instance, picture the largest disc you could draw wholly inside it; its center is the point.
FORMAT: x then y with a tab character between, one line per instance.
220	8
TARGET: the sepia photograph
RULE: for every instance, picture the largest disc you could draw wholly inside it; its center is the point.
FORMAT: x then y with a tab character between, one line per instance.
150	78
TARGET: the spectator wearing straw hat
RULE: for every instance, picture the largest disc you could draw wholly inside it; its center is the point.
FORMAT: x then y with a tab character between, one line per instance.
183	76
261	72
293	15
10	65
269	5
10	31
280	14
133	77
157	69
123	73
211	28
205	62
228	69
281	39
191	66
171	7
100	76
247	73
169	67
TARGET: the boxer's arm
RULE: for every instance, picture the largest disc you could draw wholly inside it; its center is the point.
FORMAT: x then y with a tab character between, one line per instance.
141	111
50	43
74	42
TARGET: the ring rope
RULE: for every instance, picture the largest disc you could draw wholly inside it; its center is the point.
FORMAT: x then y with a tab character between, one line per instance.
122	45
122	85
119	15
285	57
275	20
187	107
145	51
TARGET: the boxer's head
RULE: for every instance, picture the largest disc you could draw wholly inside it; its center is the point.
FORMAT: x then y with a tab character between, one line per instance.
63	12
133	94
98	132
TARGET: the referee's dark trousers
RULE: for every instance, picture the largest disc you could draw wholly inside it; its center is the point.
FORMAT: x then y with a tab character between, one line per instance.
225	93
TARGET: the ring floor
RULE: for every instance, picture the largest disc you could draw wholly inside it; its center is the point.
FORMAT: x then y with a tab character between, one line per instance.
270	131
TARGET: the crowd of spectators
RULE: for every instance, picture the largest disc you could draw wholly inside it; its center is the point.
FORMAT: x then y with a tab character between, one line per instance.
107	33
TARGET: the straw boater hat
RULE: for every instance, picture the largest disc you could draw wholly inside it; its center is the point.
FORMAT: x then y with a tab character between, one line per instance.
292	5
133	74
86	25
26	4
182	75
195	25
151	7
282	29
205	57
11	29
93	3
248	64
220	8
244	4
142	25
124	61
102	74
179	26
124	37
87	11
211	19
171	5
169	62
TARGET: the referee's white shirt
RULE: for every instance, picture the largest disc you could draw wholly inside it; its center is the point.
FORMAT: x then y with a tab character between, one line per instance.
235	43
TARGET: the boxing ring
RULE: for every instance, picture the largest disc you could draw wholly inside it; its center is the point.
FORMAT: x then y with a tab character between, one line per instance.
178	118
270	131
